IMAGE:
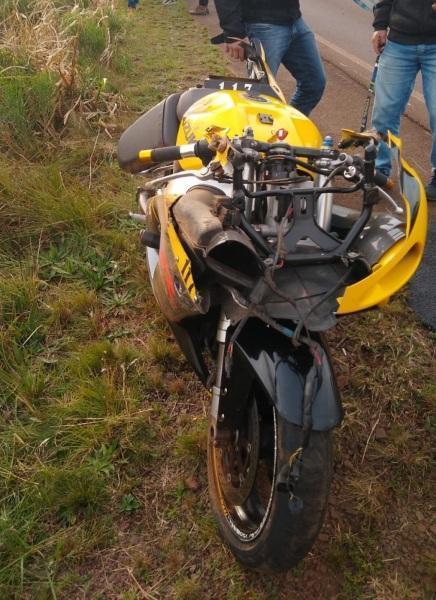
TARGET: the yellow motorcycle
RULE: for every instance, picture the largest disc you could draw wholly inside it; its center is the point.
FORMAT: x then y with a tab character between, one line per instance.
252	255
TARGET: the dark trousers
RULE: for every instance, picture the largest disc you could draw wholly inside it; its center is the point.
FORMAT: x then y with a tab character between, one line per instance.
203	2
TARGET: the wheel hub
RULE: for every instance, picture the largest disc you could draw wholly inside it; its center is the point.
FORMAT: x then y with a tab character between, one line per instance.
236	460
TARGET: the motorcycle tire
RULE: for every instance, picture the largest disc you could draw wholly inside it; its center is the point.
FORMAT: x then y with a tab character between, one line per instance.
263	529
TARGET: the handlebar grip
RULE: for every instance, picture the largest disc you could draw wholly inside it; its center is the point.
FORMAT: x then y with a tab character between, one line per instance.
159	155
199	149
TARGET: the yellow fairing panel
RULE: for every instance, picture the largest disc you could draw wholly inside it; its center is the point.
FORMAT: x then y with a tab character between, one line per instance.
233	111
182	262
397	266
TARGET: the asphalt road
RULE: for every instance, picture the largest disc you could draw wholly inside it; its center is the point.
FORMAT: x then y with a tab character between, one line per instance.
344	33
343	23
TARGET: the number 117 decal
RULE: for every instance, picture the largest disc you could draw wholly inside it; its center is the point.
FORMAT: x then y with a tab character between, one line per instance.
228	85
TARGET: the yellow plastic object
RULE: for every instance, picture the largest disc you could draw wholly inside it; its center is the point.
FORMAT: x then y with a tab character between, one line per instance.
233	111
223	147
397	266
172	280
270	77
183	263
145	157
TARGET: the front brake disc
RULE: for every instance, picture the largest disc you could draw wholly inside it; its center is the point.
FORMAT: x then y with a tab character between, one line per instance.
236	461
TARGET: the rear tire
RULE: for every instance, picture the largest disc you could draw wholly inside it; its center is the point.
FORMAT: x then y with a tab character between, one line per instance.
258	526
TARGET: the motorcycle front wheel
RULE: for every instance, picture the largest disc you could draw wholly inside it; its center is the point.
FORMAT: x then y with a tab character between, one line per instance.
264	530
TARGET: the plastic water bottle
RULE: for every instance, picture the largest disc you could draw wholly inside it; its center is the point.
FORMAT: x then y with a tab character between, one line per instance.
327	142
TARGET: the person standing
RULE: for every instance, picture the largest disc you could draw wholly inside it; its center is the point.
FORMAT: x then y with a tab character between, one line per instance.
201	9
286	39
405	36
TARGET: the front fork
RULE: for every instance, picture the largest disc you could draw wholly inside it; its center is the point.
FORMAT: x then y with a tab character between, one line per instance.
221	337
324	208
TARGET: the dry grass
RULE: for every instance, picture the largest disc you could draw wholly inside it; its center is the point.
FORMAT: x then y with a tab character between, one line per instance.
35	36
68	43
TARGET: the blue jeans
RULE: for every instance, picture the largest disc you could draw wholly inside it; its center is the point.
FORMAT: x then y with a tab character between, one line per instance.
295	47
399	66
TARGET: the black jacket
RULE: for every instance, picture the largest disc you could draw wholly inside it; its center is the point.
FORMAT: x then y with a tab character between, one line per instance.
409	21
233	14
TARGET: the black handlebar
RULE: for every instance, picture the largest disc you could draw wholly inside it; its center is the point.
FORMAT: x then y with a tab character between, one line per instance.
167	154
199	149
202	149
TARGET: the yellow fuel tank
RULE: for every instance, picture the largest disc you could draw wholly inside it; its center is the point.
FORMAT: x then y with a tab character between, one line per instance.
233	111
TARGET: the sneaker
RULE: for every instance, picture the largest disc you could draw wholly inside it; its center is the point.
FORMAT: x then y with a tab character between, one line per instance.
199	11
431	189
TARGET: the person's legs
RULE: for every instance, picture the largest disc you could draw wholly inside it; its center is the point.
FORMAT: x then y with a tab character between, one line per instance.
203	2
399	65
275	40
427	56
303	61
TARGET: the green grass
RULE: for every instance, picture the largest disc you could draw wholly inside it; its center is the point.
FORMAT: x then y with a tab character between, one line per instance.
80	379
27	103
92	39
359	558
22	6
103	426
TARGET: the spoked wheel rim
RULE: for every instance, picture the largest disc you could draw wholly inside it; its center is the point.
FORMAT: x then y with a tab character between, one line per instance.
244	470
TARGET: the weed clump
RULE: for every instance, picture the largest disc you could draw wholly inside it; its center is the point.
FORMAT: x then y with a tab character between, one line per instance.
47	50
193	443
92	39
27	104
188	588
77	493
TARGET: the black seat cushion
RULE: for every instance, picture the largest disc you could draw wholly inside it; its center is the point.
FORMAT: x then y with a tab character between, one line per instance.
157	128
188	98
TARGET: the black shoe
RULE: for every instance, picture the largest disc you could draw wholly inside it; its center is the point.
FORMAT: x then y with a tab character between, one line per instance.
430	190
383	180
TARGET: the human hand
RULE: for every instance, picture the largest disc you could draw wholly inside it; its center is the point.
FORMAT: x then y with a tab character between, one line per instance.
235	49
379	39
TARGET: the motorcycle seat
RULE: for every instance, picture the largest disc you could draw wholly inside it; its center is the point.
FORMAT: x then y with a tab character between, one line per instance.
156	128
190	97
